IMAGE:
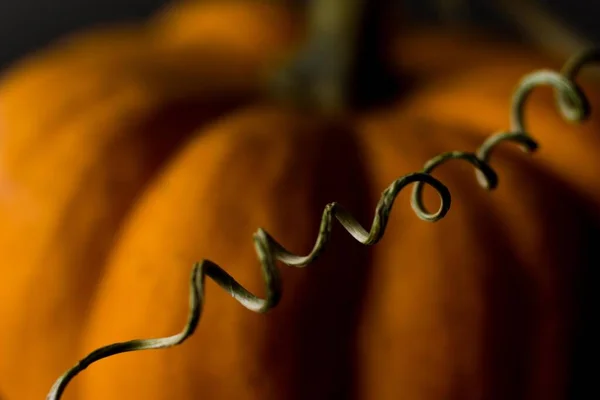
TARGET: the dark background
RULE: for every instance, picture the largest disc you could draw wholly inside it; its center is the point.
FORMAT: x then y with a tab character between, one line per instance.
29	24
558	25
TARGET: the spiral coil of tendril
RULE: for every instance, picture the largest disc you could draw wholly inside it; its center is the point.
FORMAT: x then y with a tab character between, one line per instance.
573	106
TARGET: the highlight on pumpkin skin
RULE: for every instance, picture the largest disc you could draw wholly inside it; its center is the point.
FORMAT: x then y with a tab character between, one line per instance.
573	106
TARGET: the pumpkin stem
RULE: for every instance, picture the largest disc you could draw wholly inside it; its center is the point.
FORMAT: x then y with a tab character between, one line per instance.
343	63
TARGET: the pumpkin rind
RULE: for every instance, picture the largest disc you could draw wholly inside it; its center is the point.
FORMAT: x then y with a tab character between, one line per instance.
250	177
84	129
153	178
477	305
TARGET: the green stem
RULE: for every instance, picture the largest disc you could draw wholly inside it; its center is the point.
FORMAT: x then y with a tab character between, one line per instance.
343	63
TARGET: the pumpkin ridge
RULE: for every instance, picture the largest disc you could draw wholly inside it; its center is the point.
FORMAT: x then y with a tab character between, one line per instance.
504	213
115	169
231	138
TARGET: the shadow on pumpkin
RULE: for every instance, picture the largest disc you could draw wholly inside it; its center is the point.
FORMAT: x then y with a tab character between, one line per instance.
510	322
315	332
530	308
582	379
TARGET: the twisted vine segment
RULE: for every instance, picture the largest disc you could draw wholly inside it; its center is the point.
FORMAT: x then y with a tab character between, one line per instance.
570	101
573	106
269	251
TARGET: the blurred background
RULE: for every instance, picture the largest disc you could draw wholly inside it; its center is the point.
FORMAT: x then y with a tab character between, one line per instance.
558	26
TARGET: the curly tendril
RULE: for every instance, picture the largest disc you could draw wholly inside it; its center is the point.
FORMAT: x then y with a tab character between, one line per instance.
573	106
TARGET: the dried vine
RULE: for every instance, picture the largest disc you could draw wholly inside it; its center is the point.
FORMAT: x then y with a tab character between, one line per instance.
573	106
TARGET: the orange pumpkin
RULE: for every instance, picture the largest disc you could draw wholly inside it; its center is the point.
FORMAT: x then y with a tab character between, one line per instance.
128	154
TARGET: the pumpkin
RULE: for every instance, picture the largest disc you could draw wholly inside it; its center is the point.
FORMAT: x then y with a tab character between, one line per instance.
129	153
